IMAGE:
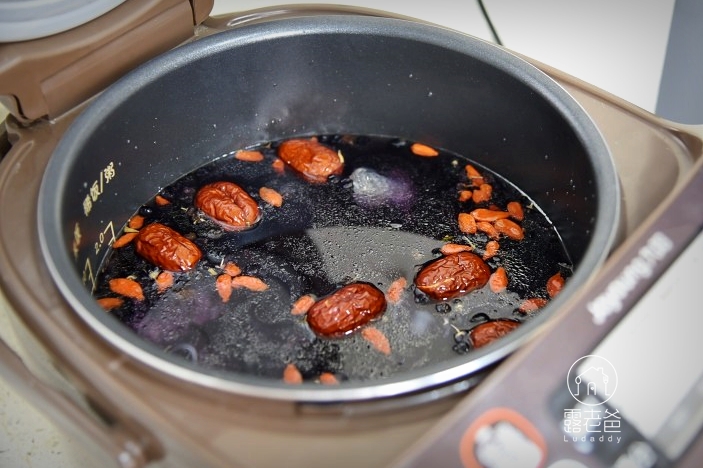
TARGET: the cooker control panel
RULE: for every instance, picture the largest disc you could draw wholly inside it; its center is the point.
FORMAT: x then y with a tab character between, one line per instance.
616	380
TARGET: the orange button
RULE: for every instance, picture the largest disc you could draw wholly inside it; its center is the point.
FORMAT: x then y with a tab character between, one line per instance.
502	437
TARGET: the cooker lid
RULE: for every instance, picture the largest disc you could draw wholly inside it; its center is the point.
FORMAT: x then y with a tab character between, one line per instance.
48	76
21	20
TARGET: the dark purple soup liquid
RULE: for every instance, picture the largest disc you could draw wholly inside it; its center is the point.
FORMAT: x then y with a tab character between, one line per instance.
382	219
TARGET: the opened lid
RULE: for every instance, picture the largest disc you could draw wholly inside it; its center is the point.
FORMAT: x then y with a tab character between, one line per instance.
22	20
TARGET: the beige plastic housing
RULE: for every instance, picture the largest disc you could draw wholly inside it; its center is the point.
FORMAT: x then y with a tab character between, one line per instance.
136	417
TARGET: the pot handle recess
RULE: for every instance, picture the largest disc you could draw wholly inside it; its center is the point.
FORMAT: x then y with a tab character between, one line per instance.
233	20
690	135
48	76
114	441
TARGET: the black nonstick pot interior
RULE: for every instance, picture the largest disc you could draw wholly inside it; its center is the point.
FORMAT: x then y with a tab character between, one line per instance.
322	75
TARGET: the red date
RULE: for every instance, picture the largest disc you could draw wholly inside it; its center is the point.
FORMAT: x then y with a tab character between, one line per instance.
487	332
228	204
452	275
311	159
166	248
346	309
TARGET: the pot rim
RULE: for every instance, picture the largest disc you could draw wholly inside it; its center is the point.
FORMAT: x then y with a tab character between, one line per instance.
58	259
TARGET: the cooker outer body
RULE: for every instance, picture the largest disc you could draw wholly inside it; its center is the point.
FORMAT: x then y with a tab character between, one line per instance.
129	391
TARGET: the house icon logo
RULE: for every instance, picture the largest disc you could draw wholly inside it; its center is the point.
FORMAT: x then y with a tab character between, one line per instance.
592	380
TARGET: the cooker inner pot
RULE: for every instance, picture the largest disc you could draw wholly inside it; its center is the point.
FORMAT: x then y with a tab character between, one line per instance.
383	220
323	75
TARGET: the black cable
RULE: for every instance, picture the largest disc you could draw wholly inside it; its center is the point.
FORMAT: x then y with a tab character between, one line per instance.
496	38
